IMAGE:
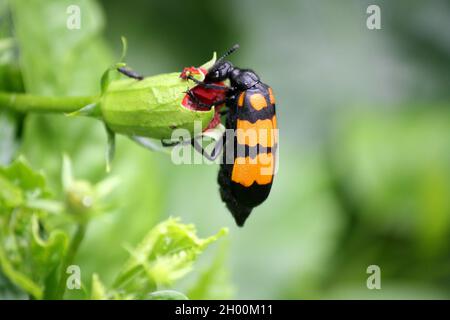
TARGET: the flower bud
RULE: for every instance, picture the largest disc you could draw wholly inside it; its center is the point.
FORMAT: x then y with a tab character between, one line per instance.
155	106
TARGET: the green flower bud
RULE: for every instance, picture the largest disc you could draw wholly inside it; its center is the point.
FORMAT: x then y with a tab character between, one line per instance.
151	107
80	197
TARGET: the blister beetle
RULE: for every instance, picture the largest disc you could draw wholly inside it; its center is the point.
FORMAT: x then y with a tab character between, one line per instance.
248	160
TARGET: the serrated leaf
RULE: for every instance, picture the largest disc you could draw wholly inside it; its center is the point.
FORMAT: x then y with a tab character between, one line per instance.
21	175
166	254
30	254
28	260
47	253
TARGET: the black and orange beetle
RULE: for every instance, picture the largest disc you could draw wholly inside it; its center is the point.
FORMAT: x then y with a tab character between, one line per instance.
247	170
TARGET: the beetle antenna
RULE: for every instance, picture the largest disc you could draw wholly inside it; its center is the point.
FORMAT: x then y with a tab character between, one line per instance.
230	51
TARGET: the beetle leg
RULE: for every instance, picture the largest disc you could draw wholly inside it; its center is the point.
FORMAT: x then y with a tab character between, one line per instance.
199	148
171	143
213	156
197	100
207	85
130	73
226	100
218	103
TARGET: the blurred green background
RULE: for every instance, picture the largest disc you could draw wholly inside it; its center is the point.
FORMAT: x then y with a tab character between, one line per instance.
364	116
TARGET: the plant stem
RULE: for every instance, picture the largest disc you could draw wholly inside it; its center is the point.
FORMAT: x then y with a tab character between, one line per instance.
71	252
32	103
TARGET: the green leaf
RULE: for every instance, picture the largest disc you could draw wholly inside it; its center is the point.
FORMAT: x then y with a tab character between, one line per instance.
30	253
166	254
47	253
10	195
55	59
24	177
26	258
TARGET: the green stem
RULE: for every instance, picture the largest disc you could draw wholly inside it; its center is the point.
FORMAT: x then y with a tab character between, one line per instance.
72	251
31	103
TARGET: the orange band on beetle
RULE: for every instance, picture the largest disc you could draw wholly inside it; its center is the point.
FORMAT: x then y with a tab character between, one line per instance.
271	97
275	131
241	99
258	101
247	171
261	132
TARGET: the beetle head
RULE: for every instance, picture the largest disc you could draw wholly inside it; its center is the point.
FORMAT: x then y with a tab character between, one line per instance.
221	69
